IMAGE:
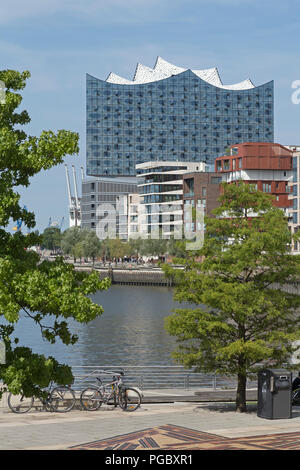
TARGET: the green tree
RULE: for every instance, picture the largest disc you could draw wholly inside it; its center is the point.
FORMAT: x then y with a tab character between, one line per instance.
154	247
78	250
48	293
70	239
239	319
91	245
117	248
51	238
177	248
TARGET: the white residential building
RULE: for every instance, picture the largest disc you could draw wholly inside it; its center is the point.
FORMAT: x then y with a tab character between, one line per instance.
161	193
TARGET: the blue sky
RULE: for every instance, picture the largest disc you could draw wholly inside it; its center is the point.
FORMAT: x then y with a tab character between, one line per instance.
59	41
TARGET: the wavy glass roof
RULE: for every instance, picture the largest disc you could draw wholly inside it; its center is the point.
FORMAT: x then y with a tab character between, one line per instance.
164	69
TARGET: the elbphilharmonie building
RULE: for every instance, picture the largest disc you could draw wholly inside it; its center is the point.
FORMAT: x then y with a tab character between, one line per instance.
169	113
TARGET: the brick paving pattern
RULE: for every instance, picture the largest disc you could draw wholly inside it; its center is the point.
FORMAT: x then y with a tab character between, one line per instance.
171	437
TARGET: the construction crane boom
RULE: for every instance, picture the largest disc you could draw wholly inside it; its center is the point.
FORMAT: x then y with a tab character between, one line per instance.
68	185
75	188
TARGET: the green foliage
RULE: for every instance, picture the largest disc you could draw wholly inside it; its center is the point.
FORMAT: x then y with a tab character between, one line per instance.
31	373
154	247
80	243
70	238
177	248
239	319
51	238
48	293
114	248
91	245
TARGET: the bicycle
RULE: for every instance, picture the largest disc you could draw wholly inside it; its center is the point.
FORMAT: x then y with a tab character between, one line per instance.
296	397
128	398
60	399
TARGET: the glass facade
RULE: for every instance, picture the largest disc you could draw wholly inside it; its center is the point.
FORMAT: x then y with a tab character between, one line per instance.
180	118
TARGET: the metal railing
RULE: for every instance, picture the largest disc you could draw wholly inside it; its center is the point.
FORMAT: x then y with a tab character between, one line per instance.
154	377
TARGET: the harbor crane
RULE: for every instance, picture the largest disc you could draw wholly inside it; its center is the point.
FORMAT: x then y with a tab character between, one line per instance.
74	201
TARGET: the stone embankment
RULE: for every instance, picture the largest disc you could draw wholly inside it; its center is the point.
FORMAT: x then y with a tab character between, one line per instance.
133	276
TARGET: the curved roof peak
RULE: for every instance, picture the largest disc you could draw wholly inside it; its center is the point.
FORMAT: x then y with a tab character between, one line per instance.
164	69
162	66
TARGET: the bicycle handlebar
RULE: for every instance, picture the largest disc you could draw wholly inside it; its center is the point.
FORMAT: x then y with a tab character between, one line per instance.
114	372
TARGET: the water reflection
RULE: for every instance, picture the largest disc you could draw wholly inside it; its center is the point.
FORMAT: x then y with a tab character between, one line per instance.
130	331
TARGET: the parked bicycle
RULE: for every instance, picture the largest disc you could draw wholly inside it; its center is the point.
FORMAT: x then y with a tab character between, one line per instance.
128	398
296	397
60	399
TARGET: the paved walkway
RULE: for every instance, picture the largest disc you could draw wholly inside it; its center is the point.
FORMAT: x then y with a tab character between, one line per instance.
181	425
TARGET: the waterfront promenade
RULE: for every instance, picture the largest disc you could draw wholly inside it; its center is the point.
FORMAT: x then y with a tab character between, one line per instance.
180	425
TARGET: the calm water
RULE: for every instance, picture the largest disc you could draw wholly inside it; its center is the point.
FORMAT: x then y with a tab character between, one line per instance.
130	331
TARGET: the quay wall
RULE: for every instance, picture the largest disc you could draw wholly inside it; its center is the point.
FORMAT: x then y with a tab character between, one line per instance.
151	277
156	277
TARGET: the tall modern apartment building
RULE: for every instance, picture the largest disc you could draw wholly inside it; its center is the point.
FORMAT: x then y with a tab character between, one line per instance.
169	113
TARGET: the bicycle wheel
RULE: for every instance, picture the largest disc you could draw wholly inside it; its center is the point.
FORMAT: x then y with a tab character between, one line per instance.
20	403
296	397
62	399
91	399
130	399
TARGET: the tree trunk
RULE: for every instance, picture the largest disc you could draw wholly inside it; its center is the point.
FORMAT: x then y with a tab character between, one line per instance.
241	394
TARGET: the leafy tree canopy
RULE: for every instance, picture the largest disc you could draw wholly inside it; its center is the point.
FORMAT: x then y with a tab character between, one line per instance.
51	238
240	317
49	293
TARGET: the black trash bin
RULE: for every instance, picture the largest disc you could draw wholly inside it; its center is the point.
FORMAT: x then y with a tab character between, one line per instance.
274	399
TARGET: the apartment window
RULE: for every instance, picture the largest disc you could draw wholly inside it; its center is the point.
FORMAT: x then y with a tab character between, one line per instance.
190	187
266	187
215	180
226	165
203	191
